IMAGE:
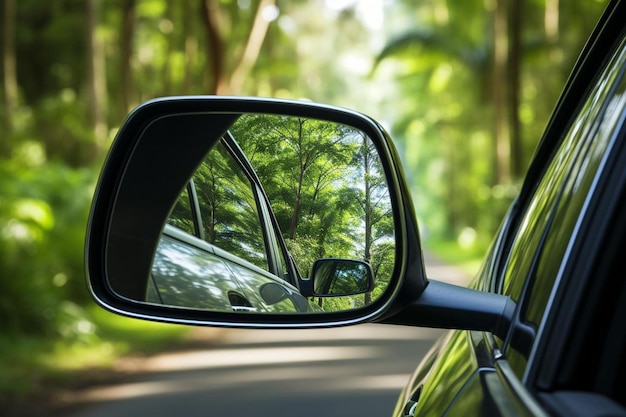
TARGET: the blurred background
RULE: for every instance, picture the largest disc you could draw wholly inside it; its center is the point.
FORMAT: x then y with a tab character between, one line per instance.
464	88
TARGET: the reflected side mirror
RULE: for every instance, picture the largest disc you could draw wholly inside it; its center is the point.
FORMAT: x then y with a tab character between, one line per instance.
341	277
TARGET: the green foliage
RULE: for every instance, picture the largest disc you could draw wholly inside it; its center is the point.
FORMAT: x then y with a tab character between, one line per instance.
445	59
32	364
64	131
426	73
42	226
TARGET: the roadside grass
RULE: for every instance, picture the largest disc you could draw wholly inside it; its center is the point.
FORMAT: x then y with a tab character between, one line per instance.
38	366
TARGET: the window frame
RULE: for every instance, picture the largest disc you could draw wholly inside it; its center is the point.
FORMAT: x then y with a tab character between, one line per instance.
275	244
279	262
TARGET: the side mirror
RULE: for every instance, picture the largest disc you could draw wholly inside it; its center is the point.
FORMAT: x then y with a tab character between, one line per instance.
341	277
207	209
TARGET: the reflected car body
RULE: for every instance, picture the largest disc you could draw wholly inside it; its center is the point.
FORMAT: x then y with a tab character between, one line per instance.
192	273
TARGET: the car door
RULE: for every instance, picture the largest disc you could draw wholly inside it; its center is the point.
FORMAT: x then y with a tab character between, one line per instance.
575	307
476	373
187	272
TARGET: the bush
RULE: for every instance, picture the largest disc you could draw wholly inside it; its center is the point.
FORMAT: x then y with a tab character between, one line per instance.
43	215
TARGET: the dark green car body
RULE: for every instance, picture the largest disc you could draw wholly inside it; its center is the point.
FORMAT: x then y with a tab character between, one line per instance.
559	257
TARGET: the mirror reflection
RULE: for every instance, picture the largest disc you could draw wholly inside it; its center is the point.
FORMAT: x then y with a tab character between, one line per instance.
285	214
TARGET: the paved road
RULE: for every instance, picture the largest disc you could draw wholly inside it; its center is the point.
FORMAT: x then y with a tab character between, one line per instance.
350	371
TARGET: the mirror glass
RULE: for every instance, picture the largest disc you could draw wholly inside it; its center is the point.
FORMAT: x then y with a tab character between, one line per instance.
274	195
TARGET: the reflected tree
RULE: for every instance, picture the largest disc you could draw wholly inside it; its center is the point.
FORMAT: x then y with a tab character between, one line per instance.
328	190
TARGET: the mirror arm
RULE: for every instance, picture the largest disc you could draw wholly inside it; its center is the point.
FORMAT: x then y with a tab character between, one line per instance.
306	287
448	306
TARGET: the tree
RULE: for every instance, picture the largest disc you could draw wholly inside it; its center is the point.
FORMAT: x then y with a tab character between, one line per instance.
487	85
96	76
375	203
9	67
129	21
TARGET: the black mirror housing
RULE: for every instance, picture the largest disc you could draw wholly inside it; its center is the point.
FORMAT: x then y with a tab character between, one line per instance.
156	151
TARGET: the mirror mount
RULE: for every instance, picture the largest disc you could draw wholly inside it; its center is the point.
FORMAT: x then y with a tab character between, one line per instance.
448	306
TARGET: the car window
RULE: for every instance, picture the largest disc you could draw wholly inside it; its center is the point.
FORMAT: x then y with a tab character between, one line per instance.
539	252
539	213
538	216
223	206
571	204
279	252
182	214
228	207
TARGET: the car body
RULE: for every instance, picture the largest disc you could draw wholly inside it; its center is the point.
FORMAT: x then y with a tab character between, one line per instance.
540	329
556	256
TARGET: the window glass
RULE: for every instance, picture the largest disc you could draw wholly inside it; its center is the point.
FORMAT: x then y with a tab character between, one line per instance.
228	207
576	193
537	218
279	254
569	159
549	225
182	214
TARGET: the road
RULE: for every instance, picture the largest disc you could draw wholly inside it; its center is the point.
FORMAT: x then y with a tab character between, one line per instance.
352	371
349	371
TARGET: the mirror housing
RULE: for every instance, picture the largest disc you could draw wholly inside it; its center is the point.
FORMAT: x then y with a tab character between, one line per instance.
155	153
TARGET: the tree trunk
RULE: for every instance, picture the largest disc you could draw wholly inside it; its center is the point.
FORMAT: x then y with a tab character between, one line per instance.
96	87
253	48
9	65
296	208
452	195
167	65
500	52
297	205
214	48
367	253
514	86
126	53
551	21
191	47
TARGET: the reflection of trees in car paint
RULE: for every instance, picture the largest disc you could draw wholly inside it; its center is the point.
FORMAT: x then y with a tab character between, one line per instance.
188	276
252	283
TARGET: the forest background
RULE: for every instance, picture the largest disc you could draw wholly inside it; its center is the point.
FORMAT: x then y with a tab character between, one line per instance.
465	88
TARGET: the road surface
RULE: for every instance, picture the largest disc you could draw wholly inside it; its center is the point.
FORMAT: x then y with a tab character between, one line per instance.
350	371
